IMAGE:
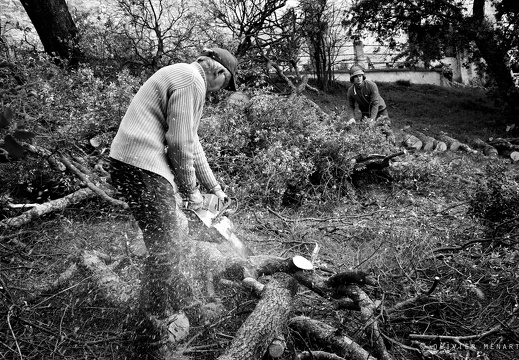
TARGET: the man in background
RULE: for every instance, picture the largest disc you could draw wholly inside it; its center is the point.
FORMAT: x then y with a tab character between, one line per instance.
364	93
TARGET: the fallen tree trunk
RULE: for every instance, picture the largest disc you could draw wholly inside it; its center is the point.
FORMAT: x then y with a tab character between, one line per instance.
46	208
506	148
487	149
115	291
266	323
373	161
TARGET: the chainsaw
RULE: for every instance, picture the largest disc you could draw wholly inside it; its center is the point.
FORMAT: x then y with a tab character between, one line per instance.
212	215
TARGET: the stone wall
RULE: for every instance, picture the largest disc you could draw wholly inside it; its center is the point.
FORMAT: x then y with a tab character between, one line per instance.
418	76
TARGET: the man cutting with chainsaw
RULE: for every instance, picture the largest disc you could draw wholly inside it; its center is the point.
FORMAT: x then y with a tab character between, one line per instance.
157	163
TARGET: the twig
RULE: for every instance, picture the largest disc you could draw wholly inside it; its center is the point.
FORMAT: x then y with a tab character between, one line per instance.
318	355
400	344
452	207
319	219
91	186
456	339
503	224
461	247
9	312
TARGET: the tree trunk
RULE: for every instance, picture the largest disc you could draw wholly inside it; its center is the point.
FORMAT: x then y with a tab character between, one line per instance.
266	323
57	31
495	55
487	149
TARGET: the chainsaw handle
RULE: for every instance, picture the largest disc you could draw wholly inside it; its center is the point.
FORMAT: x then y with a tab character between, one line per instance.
225	205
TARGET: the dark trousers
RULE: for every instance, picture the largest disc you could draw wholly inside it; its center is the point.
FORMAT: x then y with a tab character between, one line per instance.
152	201
379	114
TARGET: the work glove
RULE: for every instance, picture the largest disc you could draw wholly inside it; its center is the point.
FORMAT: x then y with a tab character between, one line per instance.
222	196
217	190
195	200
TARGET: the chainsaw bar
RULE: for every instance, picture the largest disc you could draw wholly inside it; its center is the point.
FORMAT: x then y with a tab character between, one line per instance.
211	215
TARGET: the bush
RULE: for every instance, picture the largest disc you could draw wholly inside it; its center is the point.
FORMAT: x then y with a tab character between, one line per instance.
278	151
497	200
64	109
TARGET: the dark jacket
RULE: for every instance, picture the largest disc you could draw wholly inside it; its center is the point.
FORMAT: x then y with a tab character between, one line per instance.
369	100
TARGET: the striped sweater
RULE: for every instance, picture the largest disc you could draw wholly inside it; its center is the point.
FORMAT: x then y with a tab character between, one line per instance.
165	113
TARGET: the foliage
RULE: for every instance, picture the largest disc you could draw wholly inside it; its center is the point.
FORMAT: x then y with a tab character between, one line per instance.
497	200
247	20
278	151
437	29
325	36
142	35
59	111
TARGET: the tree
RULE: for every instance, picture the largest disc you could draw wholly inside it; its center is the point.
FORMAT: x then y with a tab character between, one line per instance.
321	26
160	32
434	28
55	27
246	19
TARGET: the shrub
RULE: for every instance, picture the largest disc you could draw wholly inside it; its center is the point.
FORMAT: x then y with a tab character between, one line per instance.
278	151
64	110
497	200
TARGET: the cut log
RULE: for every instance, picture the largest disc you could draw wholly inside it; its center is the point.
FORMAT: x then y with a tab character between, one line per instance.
513	155
503	146
266	322
452	144
328	338
277	347
411	142
439	146
427	141
487	149
467	148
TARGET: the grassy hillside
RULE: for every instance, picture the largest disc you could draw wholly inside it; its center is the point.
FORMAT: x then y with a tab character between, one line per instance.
460	112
